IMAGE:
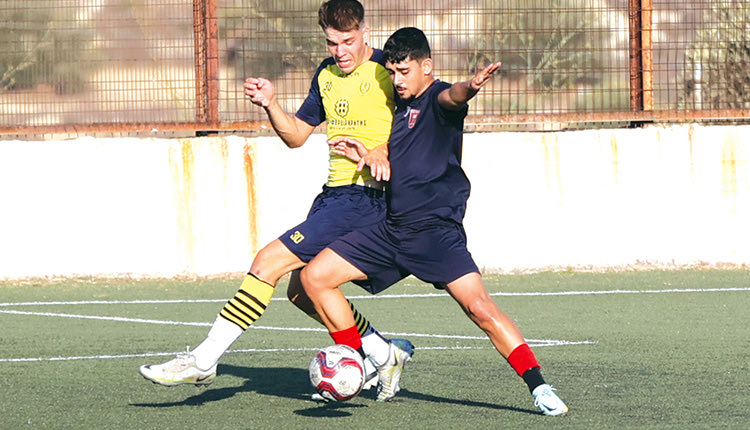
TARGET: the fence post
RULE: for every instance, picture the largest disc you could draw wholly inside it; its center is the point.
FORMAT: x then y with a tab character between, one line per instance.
206	39
641	58
199	44
647	54
635	55
212	63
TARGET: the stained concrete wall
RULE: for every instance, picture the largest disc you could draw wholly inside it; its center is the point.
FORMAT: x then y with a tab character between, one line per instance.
675	195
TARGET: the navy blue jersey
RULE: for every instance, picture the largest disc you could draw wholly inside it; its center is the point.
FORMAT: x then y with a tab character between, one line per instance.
427	181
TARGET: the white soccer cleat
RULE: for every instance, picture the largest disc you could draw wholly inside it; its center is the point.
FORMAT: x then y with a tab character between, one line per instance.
180	370
547	401
389	374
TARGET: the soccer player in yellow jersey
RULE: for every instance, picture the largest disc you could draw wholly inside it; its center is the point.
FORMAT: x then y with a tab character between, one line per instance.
352	92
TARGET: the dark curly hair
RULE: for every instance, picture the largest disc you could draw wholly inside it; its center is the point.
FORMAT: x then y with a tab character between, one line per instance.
407	42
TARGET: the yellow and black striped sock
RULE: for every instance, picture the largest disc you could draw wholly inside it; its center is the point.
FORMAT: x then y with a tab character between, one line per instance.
363	325
249	303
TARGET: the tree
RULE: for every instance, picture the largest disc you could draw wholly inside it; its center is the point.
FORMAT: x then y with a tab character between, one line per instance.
268	38
717	74
38	50
545	40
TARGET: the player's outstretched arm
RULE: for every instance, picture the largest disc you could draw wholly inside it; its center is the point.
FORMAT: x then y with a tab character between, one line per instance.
292	130
376	158
456	97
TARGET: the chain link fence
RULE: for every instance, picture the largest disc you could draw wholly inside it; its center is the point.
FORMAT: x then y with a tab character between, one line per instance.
85	66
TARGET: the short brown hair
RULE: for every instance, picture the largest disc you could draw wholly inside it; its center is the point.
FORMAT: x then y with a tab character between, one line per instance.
341	15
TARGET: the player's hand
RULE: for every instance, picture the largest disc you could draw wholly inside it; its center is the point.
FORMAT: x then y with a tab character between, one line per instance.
260	91
348	147
484	75
377	159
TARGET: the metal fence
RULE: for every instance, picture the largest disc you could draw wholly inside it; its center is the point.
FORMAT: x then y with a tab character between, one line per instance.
86	66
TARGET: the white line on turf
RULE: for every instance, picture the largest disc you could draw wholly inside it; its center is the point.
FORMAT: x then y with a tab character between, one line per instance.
394	296
104	318
256	327
119	302
147	354
250	350
563	293
532	342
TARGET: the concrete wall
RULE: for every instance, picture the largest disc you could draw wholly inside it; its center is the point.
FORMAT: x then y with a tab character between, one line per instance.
675	195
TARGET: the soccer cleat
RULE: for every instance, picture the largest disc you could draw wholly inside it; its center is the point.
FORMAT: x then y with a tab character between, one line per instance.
180	370
389	374
546	400
371	375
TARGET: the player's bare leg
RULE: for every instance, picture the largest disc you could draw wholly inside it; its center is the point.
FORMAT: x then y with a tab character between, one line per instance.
472	296
247	306
274	261
476	302
375	346
296	294
199	366
321	279
250	302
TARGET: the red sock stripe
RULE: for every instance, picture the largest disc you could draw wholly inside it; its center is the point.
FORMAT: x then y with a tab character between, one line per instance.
522	359
349	337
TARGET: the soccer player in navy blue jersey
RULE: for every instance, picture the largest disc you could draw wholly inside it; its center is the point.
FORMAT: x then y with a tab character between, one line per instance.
422	233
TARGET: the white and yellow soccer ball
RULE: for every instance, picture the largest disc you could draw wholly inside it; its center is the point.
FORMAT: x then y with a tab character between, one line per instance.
337	373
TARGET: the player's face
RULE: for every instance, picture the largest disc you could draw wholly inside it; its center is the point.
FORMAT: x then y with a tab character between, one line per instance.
410	77
348	48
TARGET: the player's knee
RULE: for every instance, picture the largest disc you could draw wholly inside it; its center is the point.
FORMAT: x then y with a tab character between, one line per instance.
307	279
262	265
313	279
271	263
482	311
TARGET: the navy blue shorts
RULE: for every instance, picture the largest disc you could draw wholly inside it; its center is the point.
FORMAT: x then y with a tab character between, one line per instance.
434	252
335	212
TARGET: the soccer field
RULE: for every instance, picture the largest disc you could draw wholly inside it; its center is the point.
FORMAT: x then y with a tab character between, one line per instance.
642	349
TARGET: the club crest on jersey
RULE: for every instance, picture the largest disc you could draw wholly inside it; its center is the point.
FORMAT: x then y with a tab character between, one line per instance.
413	114
342	107
364	88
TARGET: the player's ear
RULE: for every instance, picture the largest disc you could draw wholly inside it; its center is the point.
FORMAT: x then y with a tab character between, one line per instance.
427	66
366	34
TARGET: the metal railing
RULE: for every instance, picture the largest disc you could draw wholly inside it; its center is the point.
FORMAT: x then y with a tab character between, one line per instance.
89	66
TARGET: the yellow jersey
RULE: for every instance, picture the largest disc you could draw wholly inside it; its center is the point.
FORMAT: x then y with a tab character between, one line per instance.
359	105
